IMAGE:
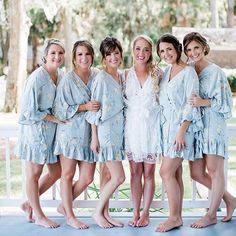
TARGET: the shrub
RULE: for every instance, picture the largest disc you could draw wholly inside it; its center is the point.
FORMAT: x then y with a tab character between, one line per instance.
231	76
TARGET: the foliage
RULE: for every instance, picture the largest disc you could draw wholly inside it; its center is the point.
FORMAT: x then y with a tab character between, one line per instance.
41	26
231	76
232	82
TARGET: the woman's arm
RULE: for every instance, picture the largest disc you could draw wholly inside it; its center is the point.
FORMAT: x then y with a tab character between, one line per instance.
95	147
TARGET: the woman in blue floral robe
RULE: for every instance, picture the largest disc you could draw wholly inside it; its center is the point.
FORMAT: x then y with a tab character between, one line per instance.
215	100
74	136
107	127
37	131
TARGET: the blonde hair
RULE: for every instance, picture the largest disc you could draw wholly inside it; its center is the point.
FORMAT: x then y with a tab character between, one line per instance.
48	44
153	69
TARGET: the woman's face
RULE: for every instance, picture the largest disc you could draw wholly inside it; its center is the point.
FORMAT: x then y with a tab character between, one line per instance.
141	51
55	56
83	58
167	53
195	51
113	60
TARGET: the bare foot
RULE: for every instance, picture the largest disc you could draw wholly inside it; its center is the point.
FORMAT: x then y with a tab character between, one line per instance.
134	221
204	222
102	221
143	220
45	222
230	206
28	211
169	225
73	222
114	222
61	209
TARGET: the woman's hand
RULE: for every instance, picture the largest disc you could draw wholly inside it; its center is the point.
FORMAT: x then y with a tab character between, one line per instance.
196	101
92	106
95	146
53	119
180	140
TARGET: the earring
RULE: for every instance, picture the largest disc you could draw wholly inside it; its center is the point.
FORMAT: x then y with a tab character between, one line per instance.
44	60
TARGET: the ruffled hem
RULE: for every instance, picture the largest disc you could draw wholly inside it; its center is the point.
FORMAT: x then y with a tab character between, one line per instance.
109	154
215	148
36	154
74	152
151	158
184	154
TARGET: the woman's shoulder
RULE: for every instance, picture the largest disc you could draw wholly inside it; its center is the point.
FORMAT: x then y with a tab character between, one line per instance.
37	76
190	69
100	77
213	70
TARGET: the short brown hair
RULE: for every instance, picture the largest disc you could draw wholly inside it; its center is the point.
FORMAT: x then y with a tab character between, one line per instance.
108	45
84	43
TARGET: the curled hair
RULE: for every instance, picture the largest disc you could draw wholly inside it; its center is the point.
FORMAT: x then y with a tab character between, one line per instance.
169	38
195	36
108	45
84	43
150	42
153	69
48	44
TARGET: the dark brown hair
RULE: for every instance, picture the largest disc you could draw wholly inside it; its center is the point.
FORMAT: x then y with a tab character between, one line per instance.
108	45
169	38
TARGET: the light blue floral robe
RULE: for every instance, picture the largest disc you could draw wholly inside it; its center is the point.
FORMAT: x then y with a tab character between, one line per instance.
109	119
214	86
36	138
73	138
173	97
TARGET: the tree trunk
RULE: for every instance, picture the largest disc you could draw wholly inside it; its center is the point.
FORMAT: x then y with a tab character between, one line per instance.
4	36
214	14
35	43
230	14
67	24
19	31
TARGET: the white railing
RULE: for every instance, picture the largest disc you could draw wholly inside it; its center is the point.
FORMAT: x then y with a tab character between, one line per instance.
8	199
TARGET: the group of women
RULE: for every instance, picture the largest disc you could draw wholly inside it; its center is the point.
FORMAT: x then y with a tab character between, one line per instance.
91	115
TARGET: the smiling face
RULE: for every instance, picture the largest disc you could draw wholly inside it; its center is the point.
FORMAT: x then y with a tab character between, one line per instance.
141	51
113	59
167	53
195	51
83	58
55	56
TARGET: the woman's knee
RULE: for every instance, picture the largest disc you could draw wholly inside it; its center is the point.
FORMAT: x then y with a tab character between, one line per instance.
118	179
67	175
165	173
196	175
55	175
88	179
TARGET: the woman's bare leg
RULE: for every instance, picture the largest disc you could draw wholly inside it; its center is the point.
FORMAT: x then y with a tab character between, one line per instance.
105	176
148	193
215	166
68	171
168	173
33	173
136	171
199	174
117	178
45	182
